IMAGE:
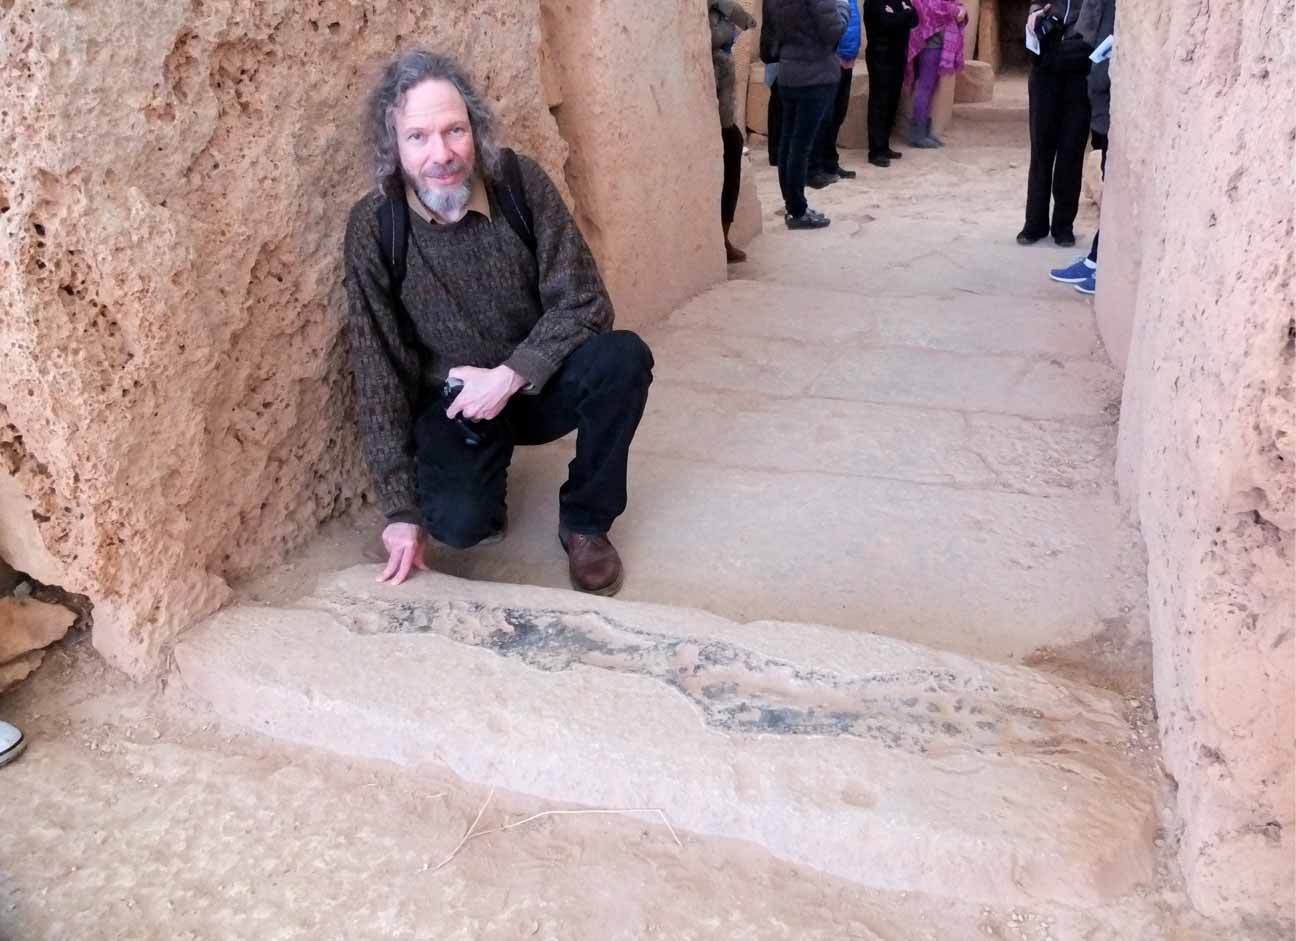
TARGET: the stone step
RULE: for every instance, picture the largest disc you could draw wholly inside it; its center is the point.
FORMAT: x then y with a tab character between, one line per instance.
887	763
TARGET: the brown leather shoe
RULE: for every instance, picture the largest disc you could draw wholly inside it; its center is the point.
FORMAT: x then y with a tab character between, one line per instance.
593	562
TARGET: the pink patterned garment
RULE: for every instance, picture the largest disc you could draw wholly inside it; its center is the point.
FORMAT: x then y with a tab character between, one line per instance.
936	16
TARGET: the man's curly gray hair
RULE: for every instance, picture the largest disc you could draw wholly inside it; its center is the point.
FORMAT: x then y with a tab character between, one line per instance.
403	73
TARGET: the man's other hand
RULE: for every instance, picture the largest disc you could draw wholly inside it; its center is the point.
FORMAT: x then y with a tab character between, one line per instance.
485	392
1033	19
404	543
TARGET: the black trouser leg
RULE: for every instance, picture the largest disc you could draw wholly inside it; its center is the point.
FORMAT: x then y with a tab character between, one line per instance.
599	392
898	59
1073	136
774	123
826	159
804	110
879	134
733	148
1045	128
1100	143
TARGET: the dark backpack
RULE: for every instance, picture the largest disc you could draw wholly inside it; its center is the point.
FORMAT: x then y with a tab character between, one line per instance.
506	192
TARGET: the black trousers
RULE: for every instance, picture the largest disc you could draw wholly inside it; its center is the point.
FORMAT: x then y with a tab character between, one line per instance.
1099	143
805	108
886	69
774	123
733	148
825	158
599	392
1059	129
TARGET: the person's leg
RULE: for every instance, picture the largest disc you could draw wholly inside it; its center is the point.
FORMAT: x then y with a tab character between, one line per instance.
733	146
878	138
733	152
1044	129
790	106
462	488
599	392
774	123
926	74
1068	171
825	158
811	112
1100	144
895	71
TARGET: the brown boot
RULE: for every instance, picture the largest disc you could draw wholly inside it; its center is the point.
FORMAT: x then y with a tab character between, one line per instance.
594	564
734	256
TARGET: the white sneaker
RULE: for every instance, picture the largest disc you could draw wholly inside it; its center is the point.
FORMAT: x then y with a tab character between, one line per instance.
12	743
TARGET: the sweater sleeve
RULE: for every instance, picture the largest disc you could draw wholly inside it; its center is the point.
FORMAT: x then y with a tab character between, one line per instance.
574	302
385	363
734	11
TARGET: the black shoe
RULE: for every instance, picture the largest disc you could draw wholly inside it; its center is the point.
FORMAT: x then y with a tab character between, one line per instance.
807	220
1026	237
845	174
894	154
880	160
1066	240
819	180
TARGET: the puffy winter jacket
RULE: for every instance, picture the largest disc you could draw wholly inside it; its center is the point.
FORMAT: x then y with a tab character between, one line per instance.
807	33
852	39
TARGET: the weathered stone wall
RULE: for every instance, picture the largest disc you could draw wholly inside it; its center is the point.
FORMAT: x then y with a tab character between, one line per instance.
639	112
1198	277
174	179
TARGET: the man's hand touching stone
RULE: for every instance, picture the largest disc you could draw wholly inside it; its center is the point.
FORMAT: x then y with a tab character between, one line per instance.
485	392
404	543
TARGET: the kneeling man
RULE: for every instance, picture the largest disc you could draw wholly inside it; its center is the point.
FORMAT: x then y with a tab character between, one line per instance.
479	322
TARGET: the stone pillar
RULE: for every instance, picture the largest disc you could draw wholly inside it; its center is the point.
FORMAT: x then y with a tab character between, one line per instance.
987	44
1197	268
638	91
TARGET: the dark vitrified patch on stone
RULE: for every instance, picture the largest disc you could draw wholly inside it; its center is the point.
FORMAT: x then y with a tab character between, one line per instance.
735	690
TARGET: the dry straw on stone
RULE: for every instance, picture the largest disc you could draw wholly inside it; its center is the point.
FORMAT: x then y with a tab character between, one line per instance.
473	833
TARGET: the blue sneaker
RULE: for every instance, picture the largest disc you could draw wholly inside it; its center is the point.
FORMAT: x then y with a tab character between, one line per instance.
1089	285
1077	272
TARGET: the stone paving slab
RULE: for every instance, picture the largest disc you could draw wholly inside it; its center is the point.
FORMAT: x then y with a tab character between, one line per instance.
958	322
884	762
992	574
924	445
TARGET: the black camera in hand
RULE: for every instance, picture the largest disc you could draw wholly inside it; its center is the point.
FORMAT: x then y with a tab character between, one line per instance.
1050	29
472	430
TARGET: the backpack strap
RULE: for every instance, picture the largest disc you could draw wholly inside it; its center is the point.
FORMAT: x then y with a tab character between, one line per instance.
510	196
393	226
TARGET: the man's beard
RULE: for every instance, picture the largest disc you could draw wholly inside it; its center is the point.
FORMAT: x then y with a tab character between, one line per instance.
452	203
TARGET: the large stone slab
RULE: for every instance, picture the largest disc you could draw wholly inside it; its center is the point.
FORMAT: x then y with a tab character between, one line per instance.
27	625
884	762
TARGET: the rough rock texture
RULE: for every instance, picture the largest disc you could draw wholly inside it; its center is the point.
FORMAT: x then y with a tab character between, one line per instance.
975	84
884	762
174	394
1197	277
18	669
20	538
27	625
645	166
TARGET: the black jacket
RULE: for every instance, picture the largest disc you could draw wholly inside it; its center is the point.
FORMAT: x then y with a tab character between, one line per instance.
807	33
888	28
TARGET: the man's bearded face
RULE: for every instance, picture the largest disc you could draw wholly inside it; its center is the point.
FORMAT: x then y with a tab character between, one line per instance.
437	152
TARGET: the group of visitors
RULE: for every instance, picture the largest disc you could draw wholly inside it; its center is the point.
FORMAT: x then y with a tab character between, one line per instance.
810	48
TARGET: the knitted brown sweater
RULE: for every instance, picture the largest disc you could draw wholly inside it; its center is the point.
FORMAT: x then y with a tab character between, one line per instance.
473	295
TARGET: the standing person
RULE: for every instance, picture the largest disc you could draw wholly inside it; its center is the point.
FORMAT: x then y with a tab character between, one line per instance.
825	163
774	111
887	24
935	49
1059	122
1097	22
727	18
807	33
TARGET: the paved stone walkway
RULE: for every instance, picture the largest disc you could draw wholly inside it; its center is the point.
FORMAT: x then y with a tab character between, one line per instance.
897	424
